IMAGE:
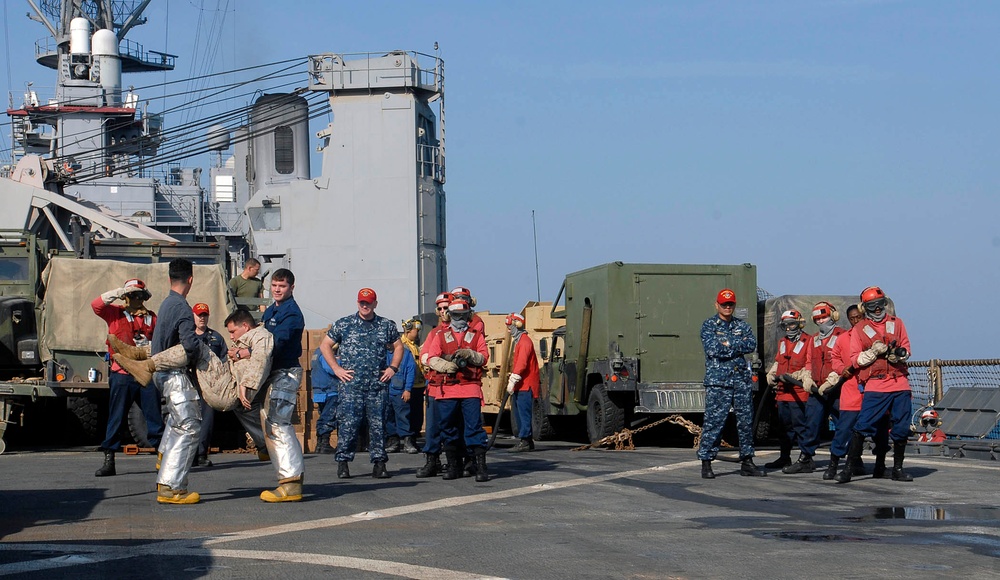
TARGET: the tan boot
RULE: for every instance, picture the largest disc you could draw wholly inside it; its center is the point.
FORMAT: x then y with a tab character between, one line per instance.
288	490
165	494
141	370
132	352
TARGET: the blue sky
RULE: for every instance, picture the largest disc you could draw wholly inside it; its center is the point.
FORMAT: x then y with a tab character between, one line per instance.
833	144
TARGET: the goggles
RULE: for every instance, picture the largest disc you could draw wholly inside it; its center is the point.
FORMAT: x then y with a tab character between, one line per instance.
876	305
790	324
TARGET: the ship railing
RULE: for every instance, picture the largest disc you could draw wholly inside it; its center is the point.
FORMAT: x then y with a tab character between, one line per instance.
931	378
430	162
331	69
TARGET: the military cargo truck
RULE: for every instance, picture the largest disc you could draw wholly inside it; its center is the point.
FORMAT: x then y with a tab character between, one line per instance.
52	350
630	346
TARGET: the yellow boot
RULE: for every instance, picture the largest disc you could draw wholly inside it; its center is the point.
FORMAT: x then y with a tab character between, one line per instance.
159	458
165	494
141	370
288	490
132	352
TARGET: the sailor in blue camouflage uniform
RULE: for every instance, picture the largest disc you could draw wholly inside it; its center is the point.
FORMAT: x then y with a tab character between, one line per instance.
727	383
360	363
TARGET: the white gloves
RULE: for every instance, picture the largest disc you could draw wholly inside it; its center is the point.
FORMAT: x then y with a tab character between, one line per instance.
831	381
472	357
512	382
867	357
112	295
878	347
772	375
442	366
808	384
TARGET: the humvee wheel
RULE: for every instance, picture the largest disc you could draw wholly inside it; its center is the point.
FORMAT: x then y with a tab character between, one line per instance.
604	417
87	411
541	426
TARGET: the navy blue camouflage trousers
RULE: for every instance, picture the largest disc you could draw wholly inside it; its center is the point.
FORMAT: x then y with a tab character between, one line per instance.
355	404
718	401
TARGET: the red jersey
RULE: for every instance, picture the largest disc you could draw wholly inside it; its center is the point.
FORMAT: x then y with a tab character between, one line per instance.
793	357
134	330
850	396
526	365
464	384
881	376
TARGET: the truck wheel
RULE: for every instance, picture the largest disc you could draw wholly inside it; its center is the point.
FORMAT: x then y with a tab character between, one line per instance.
541	427
604	417
137	424
87	411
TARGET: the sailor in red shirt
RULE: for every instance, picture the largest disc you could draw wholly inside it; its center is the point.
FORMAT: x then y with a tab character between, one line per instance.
931	422
793	365
459	353
879	349
432	444
133	324
823	401
523	382
476	322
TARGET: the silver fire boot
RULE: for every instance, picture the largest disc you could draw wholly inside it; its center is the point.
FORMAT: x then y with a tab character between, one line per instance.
180	439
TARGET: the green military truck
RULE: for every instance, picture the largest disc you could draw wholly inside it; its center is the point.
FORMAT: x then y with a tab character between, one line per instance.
631	343
52	351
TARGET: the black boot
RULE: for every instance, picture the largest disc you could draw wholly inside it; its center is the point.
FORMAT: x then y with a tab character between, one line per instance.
454	468
323	446
201	461
379	471
748	468
879	471
343	472
857	442
898	453
784	459
469	466
805	464
706	469
430	468
392	444
857	465
481	473
521	446
109	465
831	470
410	445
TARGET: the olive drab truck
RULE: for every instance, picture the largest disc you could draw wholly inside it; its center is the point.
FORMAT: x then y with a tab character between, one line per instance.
52	350
630	342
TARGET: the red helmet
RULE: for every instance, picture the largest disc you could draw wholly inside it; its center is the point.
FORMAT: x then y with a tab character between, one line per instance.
462	292
515	320
824	309
930	414
444	298
459	306
871	293
791	315
791	319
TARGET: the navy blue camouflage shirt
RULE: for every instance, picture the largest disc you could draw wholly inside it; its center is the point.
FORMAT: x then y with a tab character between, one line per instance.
725	344
363	344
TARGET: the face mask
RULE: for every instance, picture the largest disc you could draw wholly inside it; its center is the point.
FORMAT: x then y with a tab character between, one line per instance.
460	321
875	309
515	332
826	328
793	335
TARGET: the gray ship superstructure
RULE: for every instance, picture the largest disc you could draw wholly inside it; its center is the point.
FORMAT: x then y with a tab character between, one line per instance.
92	161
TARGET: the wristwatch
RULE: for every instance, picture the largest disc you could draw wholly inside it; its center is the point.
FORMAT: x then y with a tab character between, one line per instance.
394	369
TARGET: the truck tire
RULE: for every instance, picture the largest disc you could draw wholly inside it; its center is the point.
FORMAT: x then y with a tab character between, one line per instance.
604	416
541	426
137	424
87	412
